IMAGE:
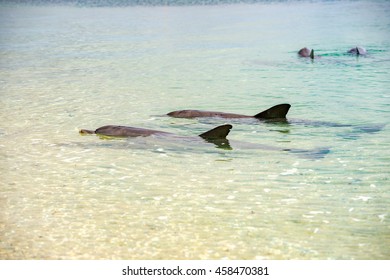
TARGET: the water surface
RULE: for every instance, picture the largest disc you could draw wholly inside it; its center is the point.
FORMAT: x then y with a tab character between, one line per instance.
66	67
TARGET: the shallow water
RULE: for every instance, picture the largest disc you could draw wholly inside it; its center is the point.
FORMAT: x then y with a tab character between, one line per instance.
66	196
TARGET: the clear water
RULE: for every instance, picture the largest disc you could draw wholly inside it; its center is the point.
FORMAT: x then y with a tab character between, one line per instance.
66	67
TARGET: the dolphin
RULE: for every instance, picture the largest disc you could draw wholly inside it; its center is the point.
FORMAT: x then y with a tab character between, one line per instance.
358	51
305	52
216	135
276	112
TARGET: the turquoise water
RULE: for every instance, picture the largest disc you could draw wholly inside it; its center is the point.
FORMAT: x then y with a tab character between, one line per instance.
67	67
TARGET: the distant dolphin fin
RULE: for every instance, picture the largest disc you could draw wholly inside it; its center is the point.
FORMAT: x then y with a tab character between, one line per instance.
276	112
312	54
86	131
219	132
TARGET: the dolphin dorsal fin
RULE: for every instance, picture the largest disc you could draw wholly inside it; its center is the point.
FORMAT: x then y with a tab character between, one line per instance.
276	112
219	132
312	54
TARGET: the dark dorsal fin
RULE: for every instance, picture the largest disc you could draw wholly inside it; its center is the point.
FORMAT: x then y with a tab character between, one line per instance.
276	112
357	50
219	132
312	54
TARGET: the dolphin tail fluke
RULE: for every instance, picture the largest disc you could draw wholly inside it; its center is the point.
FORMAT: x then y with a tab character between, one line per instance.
86	131
276	112
219	132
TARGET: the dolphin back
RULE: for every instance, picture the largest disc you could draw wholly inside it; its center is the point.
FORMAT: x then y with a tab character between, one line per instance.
358	51
219	132
126	131
276	112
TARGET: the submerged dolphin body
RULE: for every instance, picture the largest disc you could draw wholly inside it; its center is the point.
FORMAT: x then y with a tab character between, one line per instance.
276	112
352	132
216	135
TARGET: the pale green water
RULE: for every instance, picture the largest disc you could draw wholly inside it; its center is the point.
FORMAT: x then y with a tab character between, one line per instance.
64	196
